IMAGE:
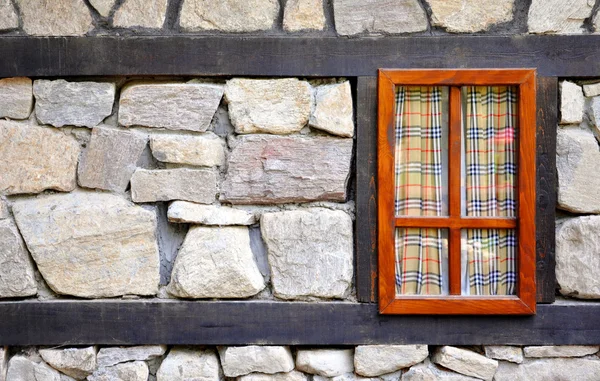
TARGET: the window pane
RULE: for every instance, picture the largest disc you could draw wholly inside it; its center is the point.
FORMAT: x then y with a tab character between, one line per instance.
421	151
421	261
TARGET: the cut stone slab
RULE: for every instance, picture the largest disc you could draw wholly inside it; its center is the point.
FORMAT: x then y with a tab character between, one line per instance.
112	356
464	16
103	6
504	352
560	350
34	159
465	362
303	15
17	275
47	18
21	368
310	252
8	20
196	185
558	16
110	159
141	13
74	362
591	90
376	360
333	109
325	362
426	371
231	16
571	103
549	369
130	371
378	16
289	376
205	150
91	245
188	212
275	106
183	364
216	263
16	94
174	106
267	169
239	361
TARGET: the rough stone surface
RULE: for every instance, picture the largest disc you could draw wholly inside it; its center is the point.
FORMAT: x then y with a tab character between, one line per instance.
4	210
325	362
378	16
289	376
110	159
274	169
375	360
36	158
47	18
16	95
216	263
196	185
186	364
188	212
205	150
103	6
275	106
4	365
558	16
112	356
571	103
560	350
91	244
141	13
74	362
310	252
8	16
229	15
303	15
21	368
426	371
333	109
594	115
591	90
504	352
465	16
238	361
130	371
549	369
465	362
16	268
174	106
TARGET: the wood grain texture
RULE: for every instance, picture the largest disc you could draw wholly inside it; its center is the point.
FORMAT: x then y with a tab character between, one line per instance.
454	188
456	222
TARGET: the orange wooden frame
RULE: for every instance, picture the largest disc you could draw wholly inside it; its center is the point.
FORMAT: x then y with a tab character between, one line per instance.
524	302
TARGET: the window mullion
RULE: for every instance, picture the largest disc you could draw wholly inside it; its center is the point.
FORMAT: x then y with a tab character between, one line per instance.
454	177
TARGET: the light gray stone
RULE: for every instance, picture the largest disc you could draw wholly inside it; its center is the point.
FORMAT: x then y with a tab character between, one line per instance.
216	263
275	106
4	365
465	16
116	355
36	158
4	210
229	15
303	15
238	361
288	376
267	169
549	369
141	13
378	16
91	244
183	364
325	362
426	371
594	115
48	18
591	90
310	252
17	277
504	352
174	106
558	16
354	377
8	17
375	360
196	185
83	104
333	109
16	95
571	103
130	371
74	362
103	6
21	368
560	350
204	150
465	362
188	212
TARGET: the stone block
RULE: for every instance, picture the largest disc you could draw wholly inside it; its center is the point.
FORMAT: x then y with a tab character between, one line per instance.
571	103
231	16
8	20
333	109
130	371
594	115
205	150
4	364
376	360
103	6
239	361
303	15
16	95
591	90
17	278
183	364
504	352
289	376
549	369
558	16
21	368
47	18
426	371
463	16
465	362
141	13
325	362
560	350
188	212
116	355
196	185
74	362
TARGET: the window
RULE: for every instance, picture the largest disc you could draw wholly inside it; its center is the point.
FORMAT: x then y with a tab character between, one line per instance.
456	191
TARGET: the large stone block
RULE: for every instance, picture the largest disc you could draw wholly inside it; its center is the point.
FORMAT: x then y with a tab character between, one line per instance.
91	245
55	18
188	212
116	355
130	371
21	368
196	185
8	20
376	360
206	150
560	350
141	13
303	15
571	103
228	15
238	361
17	277
464	16
325	362
558	16
16	95
74	362
426	371
549	369
504	352
465	362
187	364
267	169
333	109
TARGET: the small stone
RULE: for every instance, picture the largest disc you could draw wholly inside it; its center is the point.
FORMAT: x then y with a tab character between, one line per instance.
4	210
571	103
231	16
103	6
591	90
74	362
130	371
303	15
465	362
561	350
174	106
504	352
595	117
8	20
48	18
375	360
188	212
465	16
216	263
325	362
333	109
17	277
204	150
141	13
549	369
16	95
558	16
289	376
426	371
116	355
21	368
4	365
238	361
187	364
196	185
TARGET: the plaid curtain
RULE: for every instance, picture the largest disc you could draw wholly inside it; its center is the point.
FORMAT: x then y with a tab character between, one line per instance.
418	188
491	123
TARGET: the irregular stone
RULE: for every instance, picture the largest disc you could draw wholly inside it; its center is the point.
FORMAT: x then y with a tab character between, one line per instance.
34	159
267	169
130	371
47	18
17	276
197	185
464	16
21	368
174	106
571	103
91	245
8	17
289	376
375	360
504	352
465	362
591	90
4	364
4	211
142	13
325	362
303	15
205	150
238	361
74	362
595	117
333	109
188	212
426	371
216	263
83	104
558	16
232	16
352	377
187	364
103	6
110	159
378	16
310	252
16	95
116	355
560	350
549	369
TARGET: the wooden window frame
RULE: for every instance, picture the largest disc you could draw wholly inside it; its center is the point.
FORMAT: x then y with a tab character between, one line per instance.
524	302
